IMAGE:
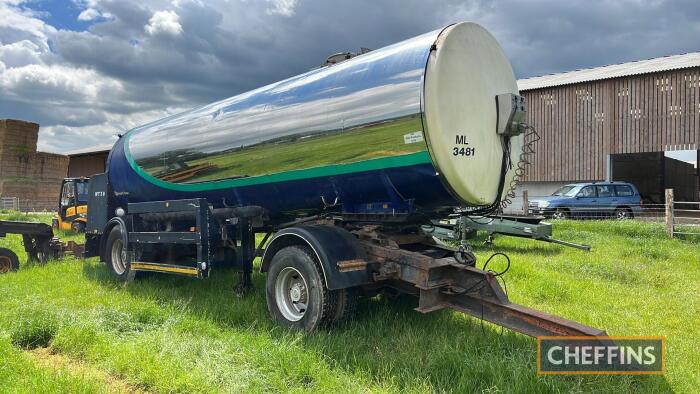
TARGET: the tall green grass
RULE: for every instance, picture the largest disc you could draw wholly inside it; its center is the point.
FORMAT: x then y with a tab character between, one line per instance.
172	334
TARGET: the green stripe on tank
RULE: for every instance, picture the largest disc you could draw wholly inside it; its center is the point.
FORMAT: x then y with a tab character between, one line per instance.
410	159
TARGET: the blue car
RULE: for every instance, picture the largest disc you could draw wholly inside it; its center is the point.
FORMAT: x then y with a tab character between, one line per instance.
598	199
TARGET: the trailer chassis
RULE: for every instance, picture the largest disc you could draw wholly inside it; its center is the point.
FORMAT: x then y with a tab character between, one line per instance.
444	282
39	243
354	258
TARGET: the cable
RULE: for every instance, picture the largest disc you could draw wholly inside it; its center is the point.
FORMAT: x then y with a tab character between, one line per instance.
482	282
497	274
475	219
499	278
503	200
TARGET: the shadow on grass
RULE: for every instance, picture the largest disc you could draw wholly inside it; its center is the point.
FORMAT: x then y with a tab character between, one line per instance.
387	339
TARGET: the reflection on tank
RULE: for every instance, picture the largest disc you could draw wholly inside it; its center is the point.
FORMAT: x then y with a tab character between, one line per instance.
342	146
359	110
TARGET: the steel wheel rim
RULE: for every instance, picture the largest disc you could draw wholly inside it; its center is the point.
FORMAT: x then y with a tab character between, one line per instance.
291	294
118	257
5	264
621	215
559	215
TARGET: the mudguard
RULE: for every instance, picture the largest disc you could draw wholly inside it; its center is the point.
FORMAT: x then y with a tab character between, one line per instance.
330	245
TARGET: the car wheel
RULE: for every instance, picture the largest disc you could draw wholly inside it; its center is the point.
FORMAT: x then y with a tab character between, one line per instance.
623	214
561	213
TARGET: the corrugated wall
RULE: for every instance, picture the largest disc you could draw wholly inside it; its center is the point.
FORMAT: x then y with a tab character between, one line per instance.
580	124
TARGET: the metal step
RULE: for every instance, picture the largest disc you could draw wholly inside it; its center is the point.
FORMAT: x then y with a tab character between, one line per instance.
195	272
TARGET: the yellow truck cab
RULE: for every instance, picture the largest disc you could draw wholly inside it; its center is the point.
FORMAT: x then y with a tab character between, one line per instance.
72	206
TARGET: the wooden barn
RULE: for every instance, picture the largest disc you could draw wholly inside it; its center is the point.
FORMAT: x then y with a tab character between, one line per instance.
622	122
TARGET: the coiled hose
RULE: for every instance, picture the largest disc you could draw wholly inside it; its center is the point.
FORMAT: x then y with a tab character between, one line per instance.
521	168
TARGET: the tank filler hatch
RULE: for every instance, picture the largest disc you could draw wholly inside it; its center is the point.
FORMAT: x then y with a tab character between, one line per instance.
343	56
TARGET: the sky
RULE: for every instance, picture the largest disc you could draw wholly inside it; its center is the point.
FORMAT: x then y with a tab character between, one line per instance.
86	70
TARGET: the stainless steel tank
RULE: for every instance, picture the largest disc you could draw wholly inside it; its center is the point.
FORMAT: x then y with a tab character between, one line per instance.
381	127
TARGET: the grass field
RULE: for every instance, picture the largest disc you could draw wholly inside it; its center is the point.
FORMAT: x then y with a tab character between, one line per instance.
66	327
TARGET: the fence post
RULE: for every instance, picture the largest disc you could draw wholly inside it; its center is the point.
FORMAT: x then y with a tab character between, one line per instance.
526	202
669	212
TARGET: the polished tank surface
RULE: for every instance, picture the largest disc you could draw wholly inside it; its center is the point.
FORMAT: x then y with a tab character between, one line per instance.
354	112
352	136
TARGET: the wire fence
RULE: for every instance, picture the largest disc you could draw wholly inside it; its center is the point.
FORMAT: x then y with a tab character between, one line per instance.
654	212
9	203
682	218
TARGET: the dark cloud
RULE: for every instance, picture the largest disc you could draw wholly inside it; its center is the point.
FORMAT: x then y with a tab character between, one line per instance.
143	59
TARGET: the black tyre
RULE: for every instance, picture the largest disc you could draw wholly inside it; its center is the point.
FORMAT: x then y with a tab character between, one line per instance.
8	261
78	227
116	256
344	305
296	292
561	213
623	213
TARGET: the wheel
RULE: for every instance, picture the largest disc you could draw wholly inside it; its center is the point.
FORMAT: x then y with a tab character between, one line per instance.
78	227
8	261
116	256
623	214
344	305
297	295
561	213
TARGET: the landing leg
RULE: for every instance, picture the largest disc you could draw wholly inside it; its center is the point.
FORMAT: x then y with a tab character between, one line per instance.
245	283
245	256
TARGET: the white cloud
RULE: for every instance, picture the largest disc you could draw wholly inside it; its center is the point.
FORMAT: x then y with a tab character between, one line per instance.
282	7
89	14
125	68
57	84
18	24
164	22
20	54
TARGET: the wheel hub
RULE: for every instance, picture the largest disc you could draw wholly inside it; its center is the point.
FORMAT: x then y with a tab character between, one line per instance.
295	292
291	294
119	257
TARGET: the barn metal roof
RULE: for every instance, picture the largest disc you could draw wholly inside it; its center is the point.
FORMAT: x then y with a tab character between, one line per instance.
665	63
93	149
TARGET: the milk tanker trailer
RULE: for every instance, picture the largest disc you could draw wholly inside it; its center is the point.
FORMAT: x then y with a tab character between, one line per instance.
339	168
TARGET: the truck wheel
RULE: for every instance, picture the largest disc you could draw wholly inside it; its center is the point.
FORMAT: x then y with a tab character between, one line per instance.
296	292
116	256
345	305
78	227
8	261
